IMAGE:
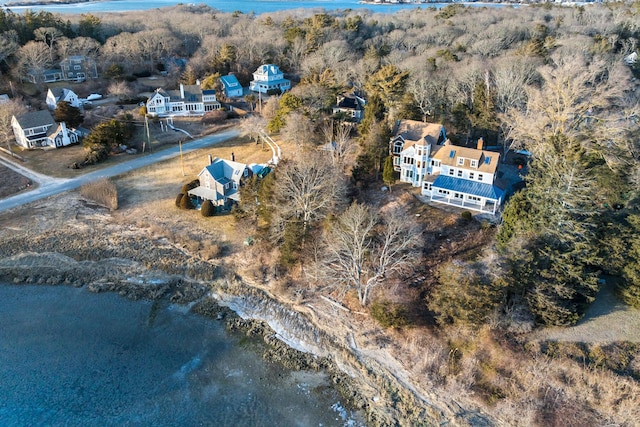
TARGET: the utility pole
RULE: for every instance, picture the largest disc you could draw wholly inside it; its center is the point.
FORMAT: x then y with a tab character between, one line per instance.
146	125
181	158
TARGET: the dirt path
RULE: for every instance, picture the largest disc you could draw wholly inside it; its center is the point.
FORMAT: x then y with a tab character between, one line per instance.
607	320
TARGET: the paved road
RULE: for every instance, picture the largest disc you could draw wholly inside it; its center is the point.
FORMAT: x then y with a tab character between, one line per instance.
51	186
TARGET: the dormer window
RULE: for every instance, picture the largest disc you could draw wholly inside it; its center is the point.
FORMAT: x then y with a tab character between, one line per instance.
460	160
474	163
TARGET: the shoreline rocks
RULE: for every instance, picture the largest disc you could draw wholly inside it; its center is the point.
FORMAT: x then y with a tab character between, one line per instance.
291	338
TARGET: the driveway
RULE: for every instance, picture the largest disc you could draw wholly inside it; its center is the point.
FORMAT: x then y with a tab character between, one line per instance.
49	186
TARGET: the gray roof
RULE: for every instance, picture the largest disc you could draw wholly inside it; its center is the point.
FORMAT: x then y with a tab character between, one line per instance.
224	171
34	119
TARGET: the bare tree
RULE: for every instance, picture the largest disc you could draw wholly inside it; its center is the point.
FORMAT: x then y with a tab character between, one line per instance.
252	125
8	44
428	90
120	89
84	46
337	136
298	129
307	188
32	57
49	36
362	250
13	107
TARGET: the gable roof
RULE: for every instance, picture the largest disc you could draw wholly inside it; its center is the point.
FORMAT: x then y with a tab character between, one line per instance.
413	130
268	70
225	171
487	161
349	101
34	119
230	81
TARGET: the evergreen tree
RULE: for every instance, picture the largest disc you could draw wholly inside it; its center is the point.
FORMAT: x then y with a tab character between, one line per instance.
65	112
389	176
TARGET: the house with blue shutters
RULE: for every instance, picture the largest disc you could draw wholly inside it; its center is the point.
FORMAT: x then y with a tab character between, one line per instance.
231	86
464	177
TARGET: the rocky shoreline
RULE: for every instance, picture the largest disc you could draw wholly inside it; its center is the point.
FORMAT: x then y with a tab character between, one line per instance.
65	241
294	343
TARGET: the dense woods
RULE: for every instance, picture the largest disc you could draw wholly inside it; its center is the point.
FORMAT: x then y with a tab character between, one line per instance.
549	80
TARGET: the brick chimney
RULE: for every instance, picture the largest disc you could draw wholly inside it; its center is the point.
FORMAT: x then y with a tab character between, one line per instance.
480	143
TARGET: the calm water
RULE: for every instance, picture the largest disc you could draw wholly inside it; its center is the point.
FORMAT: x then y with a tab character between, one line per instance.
245	6
70	357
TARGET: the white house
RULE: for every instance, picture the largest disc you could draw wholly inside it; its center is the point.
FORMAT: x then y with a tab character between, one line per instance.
412	146
58	94
188	100
268	77
464	177
231	85
37	129
220	181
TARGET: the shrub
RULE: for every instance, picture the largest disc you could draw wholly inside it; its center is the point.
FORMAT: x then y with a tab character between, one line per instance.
207	209
214	117
103	192
190	186
179	199
466	215
186	203
389	315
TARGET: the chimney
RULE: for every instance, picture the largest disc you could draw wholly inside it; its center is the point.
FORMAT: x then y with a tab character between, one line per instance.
181	91
480	143
210	159
198	82
233	157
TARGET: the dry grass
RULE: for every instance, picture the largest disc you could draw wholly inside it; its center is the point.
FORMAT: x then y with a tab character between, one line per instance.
12	182
103	192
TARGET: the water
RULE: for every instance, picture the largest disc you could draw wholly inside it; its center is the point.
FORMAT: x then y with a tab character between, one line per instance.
69	357
245	6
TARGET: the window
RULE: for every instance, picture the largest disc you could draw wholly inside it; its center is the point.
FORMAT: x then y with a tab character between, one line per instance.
460	160
471	175
460	173
419	151
458	195
451	172
479	177
77	67
474	163
419	164
427	186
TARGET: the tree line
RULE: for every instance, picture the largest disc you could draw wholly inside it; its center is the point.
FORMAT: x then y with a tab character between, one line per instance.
546	79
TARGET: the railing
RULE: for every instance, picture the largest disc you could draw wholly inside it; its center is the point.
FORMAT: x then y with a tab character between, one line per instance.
488	207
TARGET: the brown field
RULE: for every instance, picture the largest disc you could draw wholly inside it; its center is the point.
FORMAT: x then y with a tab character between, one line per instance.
11	182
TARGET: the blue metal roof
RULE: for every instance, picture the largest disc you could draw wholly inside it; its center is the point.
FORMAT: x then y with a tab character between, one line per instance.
230	81
474	188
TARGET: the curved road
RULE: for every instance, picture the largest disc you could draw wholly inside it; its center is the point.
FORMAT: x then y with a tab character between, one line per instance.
51	186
